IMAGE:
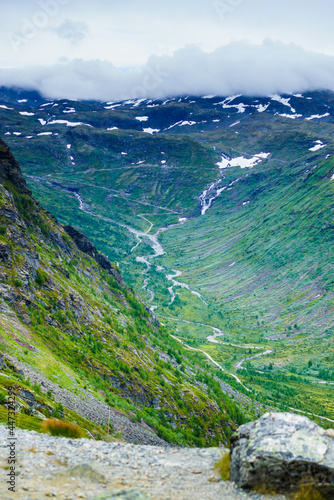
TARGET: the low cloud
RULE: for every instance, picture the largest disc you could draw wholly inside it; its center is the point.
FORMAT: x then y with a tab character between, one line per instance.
235	68
72	31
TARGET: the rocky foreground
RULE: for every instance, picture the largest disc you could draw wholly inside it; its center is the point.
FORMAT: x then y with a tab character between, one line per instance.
69	469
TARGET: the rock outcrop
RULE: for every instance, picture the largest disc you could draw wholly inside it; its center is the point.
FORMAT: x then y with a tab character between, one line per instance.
85	245
281	451
10	169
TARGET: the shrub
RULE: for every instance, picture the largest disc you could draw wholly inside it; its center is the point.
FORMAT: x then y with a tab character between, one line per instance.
57	427
18	283
223	466
41	277
2	230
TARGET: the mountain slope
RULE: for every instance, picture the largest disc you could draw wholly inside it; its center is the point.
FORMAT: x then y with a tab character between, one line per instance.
66	312
218	211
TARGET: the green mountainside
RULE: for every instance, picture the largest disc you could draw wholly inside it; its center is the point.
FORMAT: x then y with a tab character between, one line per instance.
218	212
66	312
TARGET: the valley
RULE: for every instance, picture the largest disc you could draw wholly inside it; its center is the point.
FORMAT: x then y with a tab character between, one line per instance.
218	212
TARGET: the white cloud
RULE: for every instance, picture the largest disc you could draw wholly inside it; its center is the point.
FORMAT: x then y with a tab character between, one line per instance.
272	67
73	31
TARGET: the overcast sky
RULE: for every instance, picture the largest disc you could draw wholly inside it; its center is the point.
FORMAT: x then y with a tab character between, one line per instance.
107	49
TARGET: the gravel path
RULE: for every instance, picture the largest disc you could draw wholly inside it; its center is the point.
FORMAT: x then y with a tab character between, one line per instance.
91	408
53	467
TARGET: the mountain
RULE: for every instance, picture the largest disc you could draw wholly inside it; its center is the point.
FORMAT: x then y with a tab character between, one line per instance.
218	212
79	344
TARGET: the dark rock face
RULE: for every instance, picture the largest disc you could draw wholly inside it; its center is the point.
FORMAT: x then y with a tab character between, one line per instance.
85	245
10	169
4	252
281	451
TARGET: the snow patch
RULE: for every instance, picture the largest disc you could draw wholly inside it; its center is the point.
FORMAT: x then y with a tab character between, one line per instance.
22	100
226	104
45	133
318	145
282	100
67	123
141	118
42	122
4	107
241	161
317	117
25	113
187	123
151	130
285	115
113	106
113	128
261	108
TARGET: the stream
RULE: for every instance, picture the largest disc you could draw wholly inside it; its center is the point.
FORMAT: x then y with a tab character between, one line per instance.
152	240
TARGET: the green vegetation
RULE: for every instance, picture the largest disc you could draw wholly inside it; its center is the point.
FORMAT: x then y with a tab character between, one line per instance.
59	428
223	467
260	257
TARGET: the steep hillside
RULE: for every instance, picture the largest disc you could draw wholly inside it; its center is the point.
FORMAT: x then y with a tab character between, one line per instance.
219	213
72	330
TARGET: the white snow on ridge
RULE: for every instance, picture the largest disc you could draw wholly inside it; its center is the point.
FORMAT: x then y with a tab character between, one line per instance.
186	123
261	108
332	178
285	115
113	128
317	117
319	145
25	113
208	96
299	95
68	124
226	104
141	118
70	110
282	100
4	107
17	133
151	130
42	122
236	123
241	161
45	133
113	106
22	100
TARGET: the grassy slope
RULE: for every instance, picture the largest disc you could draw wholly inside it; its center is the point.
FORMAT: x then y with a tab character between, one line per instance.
280	241
83	324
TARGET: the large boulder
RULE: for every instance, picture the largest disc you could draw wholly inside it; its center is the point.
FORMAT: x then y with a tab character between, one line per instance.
281	451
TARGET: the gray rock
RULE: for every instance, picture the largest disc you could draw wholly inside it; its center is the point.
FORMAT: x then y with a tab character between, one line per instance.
84	471
281	451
